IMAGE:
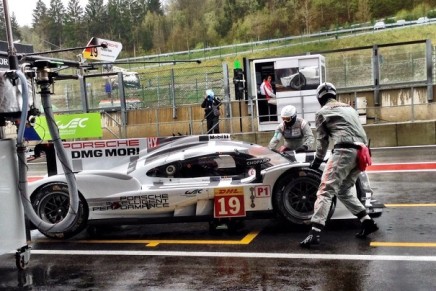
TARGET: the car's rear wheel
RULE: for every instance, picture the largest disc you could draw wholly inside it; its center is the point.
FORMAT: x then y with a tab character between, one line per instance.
295	195
51	204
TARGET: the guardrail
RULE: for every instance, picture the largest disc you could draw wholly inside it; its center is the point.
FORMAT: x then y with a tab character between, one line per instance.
261	45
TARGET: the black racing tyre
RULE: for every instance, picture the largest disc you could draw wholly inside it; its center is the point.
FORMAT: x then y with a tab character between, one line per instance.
298	82
295	195
51	204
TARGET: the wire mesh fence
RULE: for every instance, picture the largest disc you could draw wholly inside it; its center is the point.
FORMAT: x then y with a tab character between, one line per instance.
169	86
157	87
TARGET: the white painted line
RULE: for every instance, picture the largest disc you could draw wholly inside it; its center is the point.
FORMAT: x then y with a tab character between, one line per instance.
403	147
337	257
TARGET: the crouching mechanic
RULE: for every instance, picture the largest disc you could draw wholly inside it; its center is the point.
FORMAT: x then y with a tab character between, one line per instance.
296	132
340	122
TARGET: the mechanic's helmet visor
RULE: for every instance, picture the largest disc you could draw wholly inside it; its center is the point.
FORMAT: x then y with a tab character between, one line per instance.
289	120
324	92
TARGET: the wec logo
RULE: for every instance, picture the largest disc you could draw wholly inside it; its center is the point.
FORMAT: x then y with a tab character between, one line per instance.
73	123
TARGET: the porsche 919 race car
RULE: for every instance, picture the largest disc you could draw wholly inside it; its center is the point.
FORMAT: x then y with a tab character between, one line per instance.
185	178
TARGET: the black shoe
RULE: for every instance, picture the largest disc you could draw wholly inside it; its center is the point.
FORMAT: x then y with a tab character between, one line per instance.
368	226
312	239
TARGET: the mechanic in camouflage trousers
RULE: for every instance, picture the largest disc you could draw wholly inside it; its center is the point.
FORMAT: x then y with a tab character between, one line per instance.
339	122
296	132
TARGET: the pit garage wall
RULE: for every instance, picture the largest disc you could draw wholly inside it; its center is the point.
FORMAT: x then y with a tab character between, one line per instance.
404	118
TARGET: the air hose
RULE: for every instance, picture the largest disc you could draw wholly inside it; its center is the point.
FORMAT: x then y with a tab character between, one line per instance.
69	220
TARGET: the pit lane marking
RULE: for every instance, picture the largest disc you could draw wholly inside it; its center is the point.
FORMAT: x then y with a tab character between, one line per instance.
402	167
406	244
403	244
293	256
34	178
153	242
411	205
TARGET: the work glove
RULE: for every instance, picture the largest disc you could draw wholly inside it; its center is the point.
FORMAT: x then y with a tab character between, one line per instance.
302	149
283	149
316	163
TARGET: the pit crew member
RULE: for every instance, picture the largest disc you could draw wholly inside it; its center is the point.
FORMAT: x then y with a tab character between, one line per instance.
339	122
295	130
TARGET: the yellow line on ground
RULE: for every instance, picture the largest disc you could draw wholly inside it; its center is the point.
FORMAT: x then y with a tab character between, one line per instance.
403	244
412	205
155	242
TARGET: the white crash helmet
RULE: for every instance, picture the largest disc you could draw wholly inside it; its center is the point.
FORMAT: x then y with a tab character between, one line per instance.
210	93
289	114
324	92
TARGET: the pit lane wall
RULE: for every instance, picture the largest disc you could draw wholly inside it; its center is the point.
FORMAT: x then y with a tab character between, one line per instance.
391	134
381	135
405	117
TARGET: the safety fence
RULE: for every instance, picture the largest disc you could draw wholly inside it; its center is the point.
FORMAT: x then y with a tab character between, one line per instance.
395	81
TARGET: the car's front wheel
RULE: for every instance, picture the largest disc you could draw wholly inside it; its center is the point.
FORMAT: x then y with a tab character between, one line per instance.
298	82
295	195
51	203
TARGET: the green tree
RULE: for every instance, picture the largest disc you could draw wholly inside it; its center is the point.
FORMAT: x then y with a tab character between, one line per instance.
73	28
114	19
307	12
172	25
2	24
95	19
145	33
16	33
154	6
55	14
153	32
39	15
363	13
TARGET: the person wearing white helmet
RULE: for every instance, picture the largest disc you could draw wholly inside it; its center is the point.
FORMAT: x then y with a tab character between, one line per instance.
338	122
296	132
211	111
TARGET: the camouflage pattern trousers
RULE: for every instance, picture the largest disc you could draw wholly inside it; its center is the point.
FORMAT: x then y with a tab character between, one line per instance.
339	176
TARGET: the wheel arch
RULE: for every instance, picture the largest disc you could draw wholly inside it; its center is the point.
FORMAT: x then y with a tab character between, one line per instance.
36	190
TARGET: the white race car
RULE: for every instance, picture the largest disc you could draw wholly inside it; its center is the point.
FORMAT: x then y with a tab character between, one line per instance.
185	178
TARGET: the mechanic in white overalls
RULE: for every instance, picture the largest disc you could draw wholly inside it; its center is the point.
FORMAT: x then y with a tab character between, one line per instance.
339	122
296	132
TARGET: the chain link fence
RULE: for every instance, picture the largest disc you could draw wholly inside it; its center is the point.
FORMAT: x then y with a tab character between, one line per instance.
172	87
395	80
158	87
403	63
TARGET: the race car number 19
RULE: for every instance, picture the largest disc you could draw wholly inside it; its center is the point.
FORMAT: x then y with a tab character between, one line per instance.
229	202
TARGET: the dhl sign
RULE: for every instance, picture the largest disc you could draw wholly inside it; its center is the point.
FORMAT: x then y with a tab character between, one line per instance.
229	191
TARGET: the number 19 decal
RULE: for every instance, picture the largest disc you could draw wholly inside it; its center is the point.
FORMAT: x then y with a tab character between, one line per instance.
229	202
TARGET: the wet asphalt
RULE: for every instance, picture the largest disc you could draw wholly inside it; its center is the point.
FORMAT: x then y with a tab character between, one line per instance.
262	255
